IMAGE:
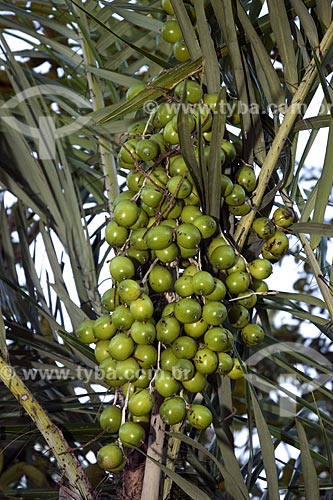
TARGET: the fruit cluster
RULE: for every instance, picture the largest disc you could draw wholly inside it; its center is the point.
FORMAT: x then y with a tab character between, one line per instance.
182	296
172	33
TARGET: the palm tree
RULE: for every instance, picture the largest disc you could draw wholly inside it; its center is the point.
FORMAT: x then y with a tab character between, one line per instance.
64	116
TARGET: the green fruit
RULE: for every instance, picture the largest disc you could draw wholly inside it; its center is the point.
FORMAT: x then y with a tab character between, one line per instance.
246	177
134	90
236	197
168	359
108	369
222	257
252	335
171	31
167	329
247	298
189	214
141	221
142	308
115	235
283	217
171	208
144	378
195	384
147	149
214	313
196	329
131	434
275	247
121	268
103	327
124	195
121	346
217	339
178	167
109	456
139	128
180	51
122	318
141	403
110	419
143	332
259	286
183	369
137	239
188	236
170	135
206	225
168	254
199	416
264	227
159	237
173	410
193	91
226	185
85	332
134	181
219	291
239	265
166	5
165	384
160	279
127	151
145	355
237	282
128	370
151	196
187	310
260	269
236	371
179	187
183	286
205	361
240	210
129	290
108	299
203	118
138	257
101	350
225	363
164	114
203	283
184	347
190	122
126	213
229	150
216	242
238	316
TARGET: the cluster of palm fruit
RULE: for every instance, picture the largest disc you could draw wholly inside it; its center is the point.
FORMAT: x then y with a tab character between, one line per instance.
182	295
172	33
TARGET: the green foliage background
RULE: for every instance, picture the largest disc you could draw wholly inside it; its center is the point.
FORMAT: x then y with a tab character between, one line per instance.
281	57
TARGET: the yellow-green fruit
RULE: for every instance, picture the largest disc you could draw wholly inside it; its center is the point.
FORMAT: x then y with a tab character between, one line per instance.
109	456
252	335
160	278
132	434
85	332
283	217
110	419
141	403
199	416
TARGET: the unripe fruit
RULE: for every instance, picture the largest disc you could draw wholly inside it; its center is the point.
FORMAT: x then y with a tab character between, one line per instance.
129	290
126	213
223	257
229	151
171	31
180	51
143	332
134	90
168	359
128	370
187	310
199	416
218	339
275	247
226	185
160	278
141	403
246	177
195	384
188	236
101	350
103	327
237	282
183	286
283	217
110	419
238	316
260	268
165	383
108	299
252	335
179	187
121	346
147	149
189	214
173	410
131	434
247	298
142	308
167	329
264	227
145	355
122	318
184	347
203	283
109	456
183	369
193	91
219	291
205	361
236	372
168	254
115	235
236	197
127	152
151	196
159	237
196	329
214	313
206	225
121	268
85	332
225	363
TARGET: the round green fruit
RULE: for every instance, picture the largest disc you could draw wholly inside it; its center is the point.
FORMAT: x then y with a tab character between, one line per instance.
168	359
188	236
145	355
275	247
115	235
128	370
126	213
160	279
229	150
214	313
121	268
151	196
127	151
143	332
283	217
203	283
147	149
183	369
196	329
183	286
252	335
195	384
141	403
173	410
110	419
168	254
179	187
129	290
121	346
180	51
101	350
142	308
199	416
193	91
225	363
85	332
171	31
134	90
132	434
217	339
246	177
109	457
223	257
122	318
165	383
206	225
159	237
236	372
238	316
184	347
205	361
189	214
219	291
264	227
167	329
236	197
108	299
104	329
187	310
260	269
237	282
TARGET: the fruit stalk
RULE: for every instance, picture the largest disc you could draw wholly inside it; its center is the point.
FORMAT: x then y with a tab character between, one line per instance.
71	468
